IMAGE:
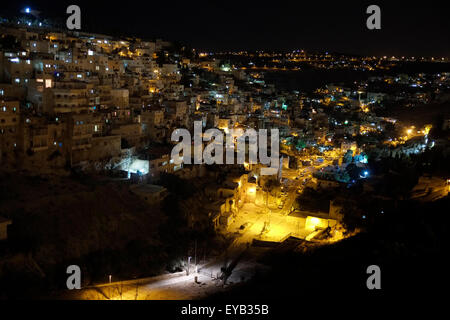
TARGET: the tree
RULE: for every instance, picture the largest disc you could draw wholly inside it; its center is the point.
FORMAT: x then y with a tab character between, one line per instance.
272	186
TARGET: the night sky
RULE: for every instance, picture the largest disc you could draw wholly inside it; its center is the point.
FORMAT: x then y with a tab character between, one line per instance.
408	27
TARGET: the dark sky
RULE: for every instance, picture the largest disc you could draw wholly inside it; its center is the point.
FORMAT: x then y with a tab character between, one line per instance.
408	27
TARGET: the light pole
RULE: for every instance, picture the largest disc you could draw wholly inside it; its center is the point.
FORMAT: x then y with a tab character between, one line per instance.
188	266
110	293
195	251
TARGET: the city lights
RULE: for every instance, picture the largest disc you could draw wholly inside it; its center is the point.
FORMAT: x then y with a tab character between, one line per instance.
195	152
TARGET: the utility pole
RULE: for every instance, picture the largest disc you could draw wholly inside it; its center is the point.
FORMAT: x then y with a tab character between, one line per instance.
195	255
188	266
137	292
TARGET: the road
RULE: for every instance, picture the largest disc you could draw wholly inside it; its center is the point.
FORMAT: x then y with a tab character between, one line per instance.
238	263
176	286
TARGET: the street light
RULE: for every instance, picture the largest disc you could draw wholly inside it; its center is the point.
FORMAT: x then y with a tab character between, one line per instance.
188	266
195	251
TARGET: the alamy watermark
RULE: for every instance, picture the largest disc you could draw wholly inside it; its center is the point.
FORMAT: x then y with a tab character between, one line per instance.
73	22
74	280
373	22
374	280
214	152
